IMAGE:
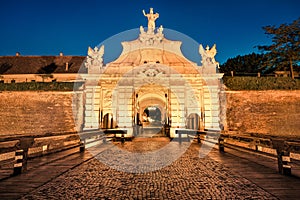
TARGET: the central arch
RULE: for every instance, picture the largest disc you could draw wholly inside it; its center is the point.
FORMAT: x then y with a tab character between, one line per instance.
152	97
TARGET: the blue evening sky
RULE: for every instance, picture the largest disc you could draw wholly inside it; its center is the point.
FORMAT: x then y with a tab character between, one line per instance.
47	27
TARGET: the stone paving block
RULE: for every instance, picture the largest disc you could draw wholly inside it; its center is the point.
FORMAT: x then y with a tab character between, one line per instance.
186	178
216	176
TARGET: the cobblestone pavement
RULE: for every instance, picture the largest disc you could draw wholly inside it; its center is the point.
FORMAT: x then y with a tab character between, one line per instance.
189	177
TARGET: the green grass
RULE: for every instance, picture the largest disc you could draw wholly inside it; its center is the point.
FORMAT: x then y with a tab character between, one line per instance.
261	83
40	86
232	83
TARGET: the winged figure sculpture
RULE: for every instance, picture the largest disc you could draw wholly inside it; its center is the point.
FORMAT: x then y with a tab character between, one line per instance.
208	55
95	56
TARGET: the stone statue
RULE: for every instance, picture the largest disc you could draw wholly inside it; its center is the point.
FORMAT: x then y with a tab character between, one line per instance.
142	30
151	19
208	55
160	29
95	57
151	38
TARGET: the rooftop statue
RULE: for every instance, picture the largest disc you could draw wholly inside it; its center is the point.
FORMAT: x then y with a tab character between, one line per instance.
160	29
208	55
151	19
95	57
142	29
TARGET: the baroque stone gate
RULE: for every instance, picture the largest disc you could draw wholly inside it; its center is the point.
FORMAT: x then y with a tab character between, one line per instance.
151	74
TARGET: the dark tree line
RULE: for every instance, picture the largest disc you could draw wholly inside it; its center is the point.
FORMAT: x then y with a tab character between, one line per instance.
282	54
251	63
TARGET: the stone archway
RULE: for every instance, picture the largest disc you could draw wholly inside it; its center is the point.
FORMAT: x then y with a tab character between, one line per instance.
152	71
153	95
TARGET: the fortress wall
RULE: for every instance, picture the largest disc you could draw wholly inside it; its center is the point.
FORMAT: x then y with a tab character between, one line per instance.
35	112
267	112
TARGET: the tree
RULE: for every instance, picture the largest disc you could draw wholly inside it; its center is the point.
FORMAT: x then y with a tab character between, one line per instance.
47	69
284	52
251	63
5	67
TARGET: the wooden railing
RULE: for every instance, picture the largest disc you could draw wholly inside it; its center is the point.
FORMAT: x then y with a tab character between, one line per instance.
16	150
283	149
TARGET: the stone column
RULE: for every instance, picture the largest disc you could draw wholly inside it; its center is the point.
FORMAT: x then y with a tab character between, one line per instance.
125	110
212	101
91	104
78	110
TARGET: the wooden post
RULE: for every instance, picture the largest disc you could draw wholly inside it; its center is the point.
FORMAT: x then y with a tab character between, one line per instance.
19	158
198	138
221	144
284	160
167	131
179	136
292	69
82	146
187	137
231	73
122	138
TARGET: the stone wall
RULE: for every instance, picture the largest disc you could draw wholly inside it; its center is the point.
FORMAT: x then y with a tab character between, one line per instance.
35	112
268	112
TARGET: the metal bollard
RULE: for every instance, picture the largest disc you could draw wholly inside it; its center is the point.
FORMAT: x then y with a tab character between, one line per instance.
18	166
284	160
82	146
221	144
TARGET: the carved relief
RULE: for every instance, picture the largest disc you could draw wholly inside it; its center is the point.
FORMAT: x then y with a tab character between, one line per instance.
151	74
151	39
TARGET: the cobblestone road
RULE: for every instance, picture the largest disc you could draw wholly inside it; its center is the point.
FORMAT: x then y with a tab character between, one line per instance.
189	177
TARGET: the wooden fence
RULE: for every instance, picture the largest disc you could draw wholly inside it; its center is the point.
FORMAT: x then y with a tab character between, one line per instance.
15	151
283	149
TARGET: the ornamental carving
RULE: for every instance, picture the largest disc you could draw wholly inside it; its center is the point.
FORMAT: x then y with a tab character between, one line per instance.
151	38
151	74
94	59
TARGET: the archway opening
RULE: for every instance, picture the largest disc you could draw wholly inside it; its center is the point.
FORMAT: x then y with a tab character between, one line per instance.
193	122
108	122
152	116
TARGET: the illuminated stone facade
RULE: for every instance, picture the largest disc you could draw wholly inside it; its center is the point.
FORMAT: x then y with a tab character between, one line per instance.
152	73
